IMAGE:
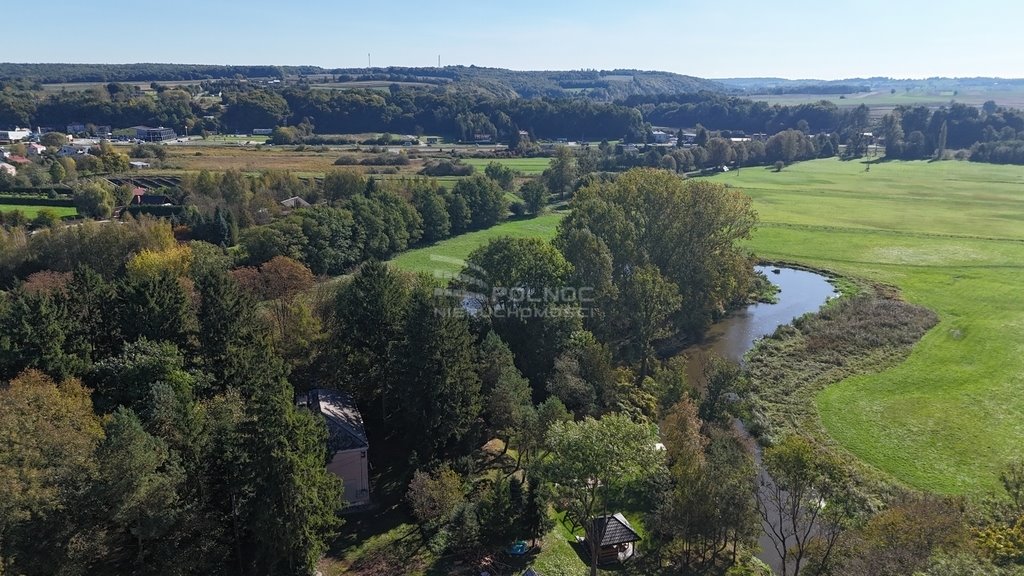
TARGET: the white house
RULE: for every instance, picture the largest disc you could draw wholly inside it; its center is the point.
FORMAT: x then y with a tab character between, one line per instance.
71	150
346	442
8	168
660	137
35	149
16	135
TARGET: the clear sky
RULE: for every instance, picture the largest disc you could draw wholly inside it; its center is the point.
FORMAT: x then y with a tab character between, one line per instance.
709	38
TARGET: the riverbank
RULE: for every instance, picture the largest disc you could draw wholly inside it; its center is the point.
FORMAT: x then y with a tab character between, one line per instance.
857	335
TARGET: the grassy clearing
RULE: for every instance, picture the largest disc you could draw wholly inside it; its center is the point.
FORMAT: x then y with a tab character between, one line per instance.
31	211
950	236
446	256
527	166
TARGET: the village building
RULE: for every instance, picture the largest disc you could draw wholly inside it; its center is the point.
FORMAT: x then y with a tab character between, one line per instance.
147	134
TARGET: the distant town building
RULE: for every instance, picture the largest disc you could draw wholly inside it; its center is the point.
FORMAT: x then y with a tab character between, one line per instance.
72	150
15	135
138	164
147	134
660	137
102	131
35	149
75	128
8	169
262	131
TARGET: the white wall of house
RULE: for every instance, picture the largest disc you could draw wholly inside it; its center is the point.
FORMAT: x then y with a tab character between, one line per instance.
351	467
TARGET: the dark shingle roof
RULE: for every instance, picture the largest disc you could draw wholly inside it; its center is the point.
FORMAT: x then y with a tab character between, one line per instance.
344	423
618	530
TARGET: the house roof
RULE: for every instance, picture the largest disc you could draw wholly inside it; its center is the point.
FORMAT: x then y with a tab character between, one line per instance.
616	530
295	202
344	422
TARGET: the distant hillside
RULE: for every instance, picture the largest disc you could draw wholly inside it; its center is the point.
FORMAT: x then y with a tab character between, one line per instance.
596	84
876	83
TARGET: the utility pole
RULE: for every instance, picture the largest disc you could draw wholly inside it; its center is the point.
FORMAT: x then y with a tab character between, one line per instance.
368	65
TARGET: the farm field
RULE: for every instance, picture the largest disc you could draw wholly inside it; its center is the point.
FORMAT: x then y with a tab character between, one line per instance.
950	235
249	159
446	256
528	166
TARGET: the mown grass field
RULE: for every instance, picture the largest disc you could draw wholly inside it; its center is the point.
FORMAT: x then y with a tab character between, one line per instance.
526	166
31	211
950	235
447	256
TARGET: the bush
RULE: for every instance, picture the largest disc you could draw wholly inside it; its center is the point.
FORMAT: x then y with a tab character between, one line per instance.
347	160
446	168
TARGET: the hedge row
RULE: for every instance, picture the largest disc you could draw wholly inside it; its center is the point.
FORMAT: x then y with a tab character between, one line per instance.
23	201
158	211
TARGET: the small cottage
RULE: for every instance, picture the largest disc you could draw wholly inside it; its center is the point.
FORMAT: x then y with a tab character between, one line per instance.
616	536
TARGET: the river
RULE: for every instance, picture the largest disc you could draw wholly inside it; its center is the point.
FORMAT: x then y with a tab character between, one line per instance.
800	292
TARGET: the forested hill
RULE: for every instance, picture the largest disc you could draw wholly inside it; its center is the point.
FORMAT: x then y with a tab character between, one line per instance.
597	84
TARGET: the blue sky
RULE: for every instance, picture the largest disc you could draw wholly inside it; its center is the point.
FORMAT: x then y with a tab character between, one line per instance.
710	38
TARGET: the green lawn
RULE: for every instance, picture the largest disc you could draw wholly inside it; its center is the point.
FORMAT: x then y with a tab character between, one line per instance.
31	210
527	166
446	256
950	235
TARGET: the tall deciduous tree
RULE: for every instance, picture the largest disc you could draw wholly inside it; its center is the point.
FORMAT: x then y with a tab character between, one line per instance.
805	503
524	284
49	435
562	173
690	230
648	301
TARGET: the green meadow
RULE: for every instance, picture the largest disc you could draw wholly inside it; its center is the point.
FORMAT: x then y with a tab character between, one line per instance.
526	166
447	256
31	210
950	236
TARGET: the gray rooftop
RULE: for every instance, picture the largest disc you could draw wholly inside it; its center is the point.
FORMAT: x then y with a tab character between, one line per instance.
344	423
616	530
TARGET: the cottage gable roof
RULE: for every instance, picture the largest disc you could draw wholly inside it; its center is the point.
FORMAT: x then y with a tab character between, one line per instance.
616	530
